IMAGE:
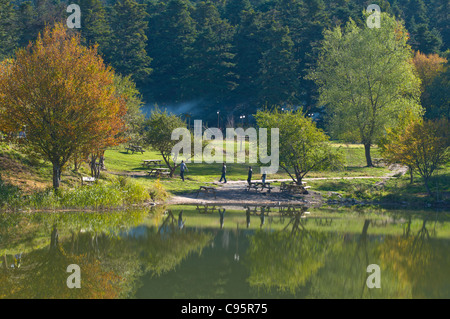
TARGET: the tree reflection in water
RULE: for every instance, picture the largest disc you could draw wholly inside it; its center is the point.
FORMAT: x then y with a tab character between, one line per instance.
279	252
286	259
310	262
110	257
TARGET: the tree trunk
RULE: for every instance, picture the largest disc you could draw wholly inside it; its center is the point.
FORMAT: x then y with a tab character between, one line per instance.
367	153
102	163
172	171
54	238
76	164
56	176
427	187
5	262
411	175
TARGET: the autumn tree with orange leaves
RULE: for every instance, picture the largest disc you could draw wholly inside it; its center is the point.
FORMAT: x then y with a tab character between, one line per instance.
433	71
63	95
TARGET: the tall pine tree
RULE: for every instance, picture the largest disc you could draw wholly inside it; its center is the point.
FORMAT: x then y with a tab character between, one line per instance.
95	28
211	66
171	35
127	49
8	29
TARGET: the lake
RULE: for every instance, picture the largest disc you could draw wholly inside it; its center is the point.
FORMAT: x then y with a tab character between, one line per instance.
226	252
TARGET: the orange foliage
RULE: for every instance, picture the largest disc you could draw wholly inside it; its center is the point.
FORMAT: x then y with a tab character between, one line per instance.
428	66
64	96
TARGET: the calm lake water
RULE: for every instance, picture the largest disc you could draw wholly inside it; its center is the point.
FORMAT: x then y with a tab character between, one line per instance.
226	252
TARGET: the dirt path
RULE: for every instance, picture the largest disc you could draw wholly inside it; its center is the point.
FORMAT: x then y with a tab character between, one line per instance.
235	193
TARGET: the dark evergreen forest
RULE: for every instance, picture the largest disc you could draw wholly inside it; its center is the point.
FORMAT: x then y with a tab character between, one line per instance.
232	56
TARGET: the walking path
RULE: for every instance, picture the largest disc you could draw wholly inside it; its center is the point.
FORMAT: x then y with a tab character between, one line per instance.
235	193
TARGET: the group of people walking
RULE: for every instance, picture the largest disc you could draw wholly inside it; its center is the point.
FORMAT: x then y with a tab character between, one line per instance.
183	169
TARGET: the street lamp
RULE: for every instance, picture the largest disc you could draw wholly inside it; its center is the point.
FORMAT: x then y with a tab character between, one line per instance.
242	117
218	119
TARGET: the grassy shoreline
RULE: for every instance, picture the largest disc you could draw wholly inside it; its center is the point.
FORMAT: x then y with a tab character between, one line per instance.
26	183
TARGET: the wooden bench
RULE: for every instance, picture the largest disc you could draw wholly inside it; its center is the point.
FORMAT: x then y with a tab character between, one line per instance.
155	163
257	185
158	172
207	190
86	180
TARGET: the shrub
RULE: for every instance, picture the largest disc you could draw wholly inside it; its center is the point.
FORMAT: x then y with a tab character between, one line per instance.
158	192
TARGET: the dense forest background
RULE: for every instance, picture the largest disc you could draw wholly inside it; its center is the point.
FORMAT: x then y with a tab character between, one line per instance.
232	56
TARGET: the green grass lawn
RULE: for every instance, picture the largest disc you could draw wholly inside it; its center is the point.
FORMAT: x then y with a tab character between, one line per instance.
119	160
31	175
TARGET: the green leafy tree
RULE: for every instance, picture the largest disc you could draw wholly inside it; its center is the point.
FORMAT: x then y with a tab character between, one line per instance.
158	130
366	80
394	147
303	147
134	118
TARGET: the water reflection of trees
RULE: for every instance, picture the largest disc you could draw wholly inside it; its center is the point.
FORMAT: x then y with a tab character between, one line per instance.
111	258
419	259
285	260
43	275
324	263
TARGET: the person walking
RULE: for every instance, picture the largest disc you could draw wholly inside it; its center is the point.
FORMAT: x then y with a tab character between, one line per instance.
263	177
183	168
250	173
224	172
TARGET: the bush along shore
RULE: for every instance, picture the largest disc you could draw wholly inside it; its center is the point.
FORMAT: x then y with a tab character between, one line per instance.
113	193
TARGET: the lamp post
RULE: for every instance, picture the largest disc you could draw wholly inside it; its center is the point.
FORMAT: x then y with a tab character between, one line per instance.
242	117
218	119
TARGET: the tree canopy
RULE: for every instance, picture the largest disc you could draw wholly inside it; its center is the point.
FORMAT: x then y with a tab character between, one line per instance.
366	80
233	55
62	96
302	146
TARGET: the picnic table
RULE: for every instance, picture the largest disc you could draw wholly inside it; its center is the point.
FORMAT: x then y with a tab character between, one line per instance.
207	190
158	171
135	148
256	185
292	187
152	162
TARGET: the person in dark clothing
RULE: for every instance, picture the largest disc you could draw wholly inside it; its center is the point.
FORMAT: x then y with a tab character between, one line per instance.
263	177
180	220
183	168
222	215
250	173
224	172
